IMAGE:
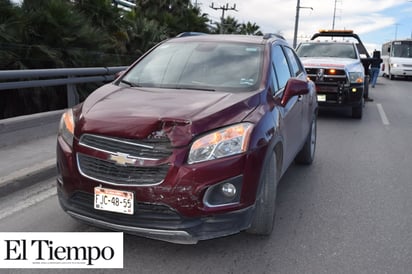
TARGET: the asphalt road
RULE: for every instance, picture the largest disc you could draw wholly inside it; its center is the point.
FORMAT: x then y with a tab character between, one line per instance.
350	212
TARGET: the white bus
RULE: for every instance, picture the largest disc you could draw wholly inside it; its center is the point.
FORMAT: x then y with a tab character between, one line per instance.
397	58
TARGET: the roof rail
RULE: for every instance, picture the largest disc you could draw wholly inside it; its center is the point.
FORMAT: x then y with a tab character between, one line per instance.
273	35
190	33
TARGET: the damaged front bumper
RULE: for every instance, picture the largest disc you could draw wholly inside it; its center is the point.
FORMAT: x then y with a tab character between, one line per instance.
158	221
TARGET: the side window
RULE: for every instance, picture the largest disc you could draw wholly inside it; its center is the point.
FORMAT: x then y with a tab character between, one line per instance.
294	62
281	66
275	86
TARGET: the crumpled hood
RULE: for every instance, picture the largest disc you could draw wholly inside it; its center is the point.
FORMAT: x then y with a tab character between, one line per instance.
180	114
338	63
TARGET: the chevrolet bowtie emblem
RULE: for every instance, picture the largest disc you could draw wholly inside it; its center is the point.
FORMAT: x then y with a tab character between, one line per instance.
122	159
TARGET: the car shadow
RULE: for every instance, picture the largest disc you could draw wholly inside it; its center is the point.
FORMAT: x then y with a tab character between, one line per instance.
340	113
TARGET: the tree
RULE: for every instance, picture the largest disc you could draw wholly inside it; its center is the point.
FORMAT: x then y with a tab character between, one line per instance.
79	33
228	25
175	16
143	33
57	36
10	33
108	19
250	29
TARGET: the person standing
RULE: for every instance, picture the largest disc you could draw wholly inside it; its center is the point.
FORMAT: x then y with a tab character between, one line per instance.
375	67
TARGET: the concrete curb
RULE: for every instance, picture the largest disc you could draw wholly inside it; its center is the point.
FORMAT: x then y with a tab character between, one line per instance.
27	177
24	141
22	129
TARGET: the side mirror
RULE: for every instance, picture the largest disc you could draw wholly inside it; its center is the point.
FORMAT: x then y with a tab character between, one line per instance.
294	87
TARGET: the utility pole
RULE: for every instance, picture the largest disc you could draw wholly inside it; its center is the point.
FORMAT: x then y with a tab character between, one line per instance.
396	30
223	8
411	31
295	35
334	14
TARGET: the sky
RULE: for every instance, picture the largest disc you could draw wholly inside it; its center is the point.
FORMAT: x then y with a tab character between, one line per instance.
375	21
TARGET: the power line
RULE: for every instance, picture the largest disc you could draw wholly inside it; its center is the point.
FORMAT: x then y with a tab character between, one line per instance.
223	8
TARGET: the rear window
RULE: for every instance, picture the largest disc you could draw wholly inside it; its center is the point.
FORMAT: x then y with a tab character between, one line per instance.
205	65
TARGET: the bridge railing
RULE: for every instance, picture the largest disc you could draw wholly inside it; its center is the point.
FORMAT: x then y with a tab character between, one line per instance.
69	77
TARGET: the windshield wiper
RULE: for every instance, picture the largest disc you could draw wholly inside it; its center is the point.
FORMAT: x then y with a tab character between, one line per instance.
205	89
193	88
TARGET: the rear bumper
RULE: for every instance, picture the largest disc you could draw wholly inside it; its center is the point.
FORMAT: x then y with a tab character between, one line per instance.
157	221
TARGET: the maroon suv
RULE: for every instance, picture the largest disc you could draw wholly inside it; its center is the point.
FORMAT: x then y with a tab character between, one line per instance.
190	142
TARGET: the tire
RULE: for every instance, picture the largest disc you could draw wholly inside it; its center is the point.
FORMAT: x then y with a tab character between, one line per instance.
357	111
307	154
366	87
265	205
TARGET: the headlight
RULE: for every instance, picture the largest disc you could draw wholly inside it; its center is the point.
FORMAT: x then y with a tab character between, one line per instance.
394	65
356	77
221	143
66	127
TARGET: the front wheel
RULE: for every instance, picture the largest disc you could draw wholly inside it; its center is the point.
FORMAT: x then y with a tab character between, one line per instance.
391	76
366	86
265	205
357	111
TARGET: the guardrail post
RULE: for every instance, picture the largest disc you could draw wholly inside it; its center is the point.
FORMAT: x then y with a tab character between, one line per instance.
72	94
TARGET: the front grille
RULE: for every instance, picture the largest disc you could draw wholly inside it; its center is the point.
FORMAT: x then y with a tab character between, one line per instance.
329	76
153	149
327	89
109	172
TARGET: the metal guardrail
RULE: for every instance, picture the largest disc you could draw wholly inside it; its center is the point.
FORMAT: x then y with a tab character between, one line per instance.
65	76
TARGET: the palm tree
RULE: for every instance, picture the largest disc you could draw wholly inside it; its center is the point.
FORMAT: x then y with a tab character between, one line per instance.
250	29
143	33
228	25
56	36
187	19
175	15
106	17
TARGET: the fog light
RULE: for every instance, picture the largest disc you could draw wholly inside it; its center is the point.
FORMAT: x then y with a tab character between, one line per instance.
225	193
228	190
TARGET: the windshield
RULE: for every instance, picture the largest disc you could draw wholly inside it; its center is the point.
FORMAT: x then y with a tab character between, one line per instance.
402	49
327	50
200	65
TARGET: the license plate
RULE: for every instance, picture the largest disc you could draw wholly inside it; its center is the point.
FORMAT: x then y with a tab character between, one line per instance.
113	200
321	98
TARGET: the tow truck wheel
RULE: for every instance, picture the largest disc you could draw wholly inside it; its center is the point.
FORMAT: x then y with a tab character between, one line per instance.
357	111
366	86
